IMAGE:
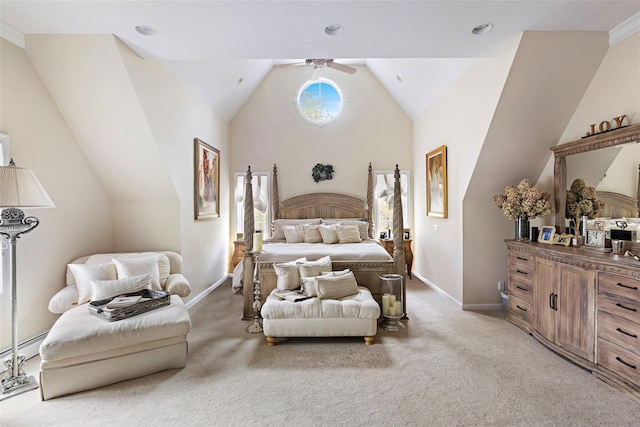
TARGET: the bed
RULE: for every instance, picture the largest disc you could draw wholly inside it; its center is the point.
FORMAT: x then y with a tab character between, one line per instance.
368	259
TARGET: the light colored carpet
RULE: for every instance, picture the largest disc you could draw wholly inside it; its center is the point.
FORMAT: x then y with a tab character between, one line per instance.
448	368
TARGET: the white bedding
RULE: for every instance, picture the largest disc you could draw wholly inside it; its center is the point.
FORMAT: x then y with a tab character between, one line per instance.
280	251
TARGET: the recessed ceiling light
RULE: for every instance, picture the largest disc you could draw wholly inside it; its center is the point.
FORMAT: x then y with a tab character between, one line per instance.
398	78
240	80
146	30
482	28
333	29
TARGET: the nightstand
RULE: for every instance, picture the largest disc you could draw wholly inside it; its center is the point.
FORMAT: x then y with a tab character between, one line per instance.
238	252
408	254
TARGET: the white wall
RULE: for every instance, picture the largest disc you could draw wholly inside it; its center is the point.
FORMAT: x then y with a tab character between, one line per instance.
81	222
372	128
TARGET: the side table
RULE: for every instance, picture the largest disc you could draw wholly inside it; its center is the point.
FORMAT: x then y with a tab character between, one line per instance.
408	254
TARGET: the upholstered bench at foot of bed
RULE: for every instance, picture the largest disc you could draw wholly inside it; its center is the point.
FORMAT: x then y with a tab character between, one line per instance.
351	316
82	351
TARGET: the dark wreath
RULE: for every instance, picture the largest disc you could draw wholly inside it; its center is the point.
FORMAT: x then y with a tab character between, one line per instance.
321	172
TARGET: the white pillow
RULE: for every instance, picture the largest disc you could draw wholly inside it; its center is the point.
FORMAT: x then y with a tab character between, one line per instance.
311	233
278	232
336	273
315	268
329	233
287	274
103	289
84	273
293	233
363	226
308	286
349	234
64	299
336	287
128	267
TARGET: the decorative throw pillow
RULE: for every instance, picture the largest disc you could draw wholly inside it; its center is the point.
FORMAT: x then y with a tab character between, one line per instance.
336	287
336	273
349	234
309	286
65	299
311	233
363	225
315	268
288	275
103	289
293	233
84	273
329	233
278	232
128	267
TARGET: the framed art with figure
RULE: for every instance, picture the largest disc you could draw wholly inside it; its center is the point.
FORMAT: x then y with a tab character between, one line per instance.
206	180
437	182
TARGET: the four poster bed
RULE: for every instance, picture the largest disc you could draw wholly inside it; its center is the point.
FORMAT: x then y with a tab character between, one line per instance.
367	259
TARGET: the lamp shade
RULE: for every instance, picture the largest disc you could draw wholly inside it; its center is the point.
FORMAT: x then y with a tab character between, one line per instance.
19	188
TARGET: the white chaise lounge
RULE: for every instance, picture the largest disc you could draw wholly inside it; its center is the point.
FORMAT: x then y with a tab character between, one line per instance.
82	351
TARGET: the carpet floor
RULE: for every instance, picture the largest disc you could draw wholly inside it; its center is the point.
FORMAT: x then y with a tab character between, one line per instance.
447	368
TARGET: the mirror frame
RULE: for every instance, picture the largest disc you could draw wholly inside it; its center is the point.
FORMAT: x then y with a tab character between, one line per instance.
619	136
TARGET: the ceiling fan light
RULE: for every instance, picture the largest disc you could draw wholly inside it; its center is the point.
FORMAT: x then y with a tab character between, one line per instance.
145	30
333	29
482	28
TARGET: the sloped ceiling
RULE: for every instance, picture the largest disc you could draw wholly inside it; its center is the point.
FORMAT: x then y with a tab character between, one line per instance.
223	49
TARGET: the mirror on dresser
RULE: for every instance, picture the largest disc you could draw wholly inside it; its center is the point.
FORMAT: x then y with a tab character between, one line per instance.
603	160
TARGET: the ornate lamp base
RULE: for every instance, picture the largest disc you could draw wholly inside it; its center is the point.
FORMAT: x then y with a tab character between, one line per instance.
255	327
13	385
392	323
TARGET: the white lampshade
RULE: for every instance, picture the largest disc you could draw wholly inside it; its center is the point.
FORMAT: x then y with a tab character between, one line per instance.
19	188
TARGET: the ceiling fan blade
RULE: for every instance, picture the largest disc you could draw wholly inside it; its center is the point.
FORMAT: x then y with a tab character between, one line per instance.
340	67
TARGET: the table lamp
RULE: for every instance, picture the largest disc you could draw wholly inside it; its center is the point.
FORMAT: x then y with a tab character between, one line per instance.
19	188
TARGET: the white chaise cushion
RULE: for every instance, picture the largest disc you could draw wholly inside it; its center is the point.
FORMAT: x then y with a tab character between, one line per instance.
85	273
77	335
129	267
103	289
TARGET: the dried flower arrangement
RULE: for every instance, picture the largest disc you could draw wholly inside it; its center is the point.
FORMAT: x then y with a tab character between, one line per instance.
582	201
523	202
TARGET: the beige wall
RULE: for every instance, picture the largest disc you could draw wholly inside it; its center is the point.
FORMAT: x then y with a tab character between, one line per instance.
82	221
372	128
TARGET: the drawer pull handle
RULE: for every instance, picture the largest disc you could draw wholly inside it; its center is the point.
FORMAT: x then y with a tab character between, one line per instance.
625	363
626	333
522	259
522	289
634	288
626	308
523	309
521	272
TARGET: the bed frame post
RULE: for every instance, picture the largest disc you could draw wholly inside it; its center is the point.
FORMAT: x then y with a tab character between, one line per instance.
369	204
398	237
247	266
275	198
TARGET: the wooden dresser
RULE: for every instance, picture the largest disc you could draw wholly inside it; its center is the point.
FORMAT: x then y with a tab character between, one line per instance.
582	304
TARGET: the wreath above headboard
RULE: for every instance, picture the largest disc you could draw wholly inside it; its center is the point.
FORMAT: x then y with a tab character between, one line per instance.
321	172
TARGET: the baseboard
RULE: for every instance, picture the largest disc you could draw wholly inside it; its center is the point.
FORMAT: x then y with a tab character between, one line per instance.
206	292
474	307
29	348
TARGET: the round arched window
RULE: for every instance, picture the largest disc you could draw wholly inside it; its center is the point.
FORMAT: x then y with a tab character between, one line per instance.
319	102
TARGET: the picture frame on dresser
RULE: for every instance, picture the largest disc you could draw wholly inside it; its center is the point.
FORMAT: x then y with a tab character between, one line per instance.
546	234
206	185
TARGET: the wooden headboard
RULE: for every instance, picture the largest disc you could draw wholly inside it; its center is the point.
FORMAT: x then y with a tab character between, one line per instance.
322	205
617	205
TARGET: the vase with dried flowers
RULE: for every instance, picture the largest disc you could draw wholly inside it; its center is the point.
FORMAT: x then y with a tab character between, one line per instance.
521	204
582	204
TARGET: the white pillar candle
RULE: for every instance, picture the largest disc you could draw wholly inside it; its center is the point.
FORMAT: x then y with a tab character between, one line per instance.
257	242
392	300
392	310
397	308
385	304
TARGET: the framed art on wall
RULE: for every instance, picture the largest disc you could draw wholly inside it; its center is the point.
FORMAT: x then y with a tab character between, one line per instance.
206	180
437	182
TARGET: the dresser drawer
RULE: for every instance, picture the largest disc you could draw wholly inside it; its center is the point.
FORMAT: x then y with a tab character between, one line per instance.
521	289
619	360
520	309
522	259
621	307
619	285
518	273
619	331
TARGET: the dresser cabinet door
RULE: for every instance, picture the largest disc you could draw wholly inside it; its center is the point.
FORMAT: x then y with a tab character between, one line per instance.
543	292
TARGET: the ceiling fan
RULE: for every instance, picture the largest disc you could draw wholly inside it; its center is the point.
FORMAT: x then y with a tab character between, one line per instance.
319	64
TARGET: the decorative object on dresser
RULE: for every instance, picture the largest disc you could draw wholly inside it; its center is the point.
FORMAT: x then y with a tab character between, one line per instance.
582	204
207	180
547	233
20	189
437	182
522	204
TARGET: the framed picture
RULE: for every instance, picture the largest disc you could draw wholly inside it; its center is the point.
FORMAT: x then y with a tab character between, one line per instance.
546	234
562	239
437	182
407	235
206	180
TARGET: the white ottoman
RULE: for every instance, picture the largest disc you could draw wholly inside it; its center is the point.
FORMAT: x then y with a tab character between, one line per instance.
354	315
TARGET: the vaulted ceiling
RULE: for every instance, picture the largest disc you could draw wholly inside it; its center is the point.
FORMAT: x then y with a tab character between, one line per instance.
224	49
